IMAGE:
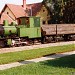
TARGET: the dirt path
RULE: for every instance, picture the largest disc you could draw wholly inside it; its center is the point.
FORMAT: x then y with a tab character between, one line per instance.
14	49
15	64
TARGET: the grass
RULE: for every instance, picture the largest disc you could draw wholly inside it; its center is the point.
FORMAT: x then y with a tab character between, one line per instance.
30	54
60	66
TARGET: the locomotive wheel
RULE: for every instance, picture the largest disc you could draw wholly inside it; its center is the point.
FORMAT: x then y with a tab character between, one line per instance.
66	37
31	42
43	39
2	44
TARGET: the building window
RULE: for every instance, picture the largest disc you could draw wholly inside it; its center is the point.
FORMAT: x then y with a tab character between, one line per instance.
49	22
7	12
43	10
44	22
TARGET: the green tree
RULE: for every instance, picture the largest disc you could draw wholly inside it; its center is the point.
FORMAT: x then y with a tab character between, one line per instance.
55	9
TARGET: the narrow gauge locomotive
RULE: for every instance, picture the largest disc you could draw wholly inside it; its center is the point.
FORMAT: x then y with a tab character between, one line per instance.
27	29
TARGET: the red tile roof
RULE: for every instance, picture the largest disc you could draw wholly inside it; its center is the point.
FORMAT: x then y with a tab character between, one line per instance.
17	10
34	7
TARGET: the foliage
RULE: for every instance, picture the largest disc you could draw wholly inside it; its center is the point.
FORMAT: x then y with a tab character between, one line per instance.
55	8
35	53
61	66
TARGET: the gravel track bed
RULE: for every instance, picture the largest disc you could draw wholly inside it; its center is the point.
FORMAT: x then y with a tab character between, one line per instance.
22	48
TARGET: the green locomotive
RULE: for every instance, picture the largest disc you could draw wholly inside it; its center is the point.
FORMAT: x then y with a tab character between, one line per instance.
28	28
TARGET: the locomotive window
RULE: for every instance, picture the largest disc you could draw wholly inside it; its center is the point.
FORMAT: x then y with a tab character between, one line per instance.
19	21
37	22
27	21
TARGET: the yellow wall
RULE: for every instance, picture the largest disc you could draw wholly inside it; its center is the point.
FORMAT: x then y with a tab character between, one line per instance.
43	14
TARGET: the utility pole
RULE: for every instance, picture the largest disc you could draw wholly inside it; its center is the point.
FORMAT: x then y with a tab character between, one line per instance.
31	12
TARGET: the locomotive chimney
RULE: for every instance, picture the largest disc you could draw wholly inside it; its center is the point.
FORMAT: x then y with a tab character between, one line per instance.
24	4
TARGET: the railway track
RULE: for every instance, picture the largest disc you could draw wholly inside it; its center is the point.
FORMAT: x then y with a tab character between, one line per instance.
22	48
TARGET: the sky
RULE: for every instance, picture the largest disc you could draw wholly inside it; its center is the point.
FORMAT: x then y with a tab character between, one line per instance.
17	2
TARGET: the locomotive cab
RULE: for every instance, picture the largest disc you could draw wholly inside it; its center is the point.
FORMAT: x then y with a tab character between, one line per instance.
24	21
29	27
29	21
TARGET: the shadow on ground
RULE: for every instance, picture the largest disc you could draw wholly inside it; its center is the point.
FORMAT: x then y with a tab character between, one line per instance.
67	61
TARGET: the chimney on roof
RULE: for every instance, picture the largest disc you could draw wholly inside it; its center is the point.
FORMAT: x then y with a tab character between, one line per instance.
24	4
